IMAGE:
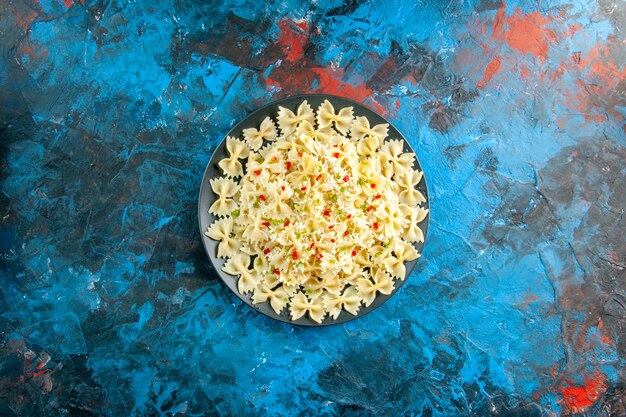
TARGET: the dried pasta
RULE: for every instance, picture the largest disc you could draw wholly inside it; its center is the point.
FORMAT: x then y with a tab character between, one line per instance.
324	216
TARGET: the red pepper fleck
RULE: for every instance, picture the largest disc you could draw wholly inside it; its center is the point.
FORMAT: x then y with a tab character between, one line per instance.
312	245
288	165
370	208
303	189
346	178
336	154
331	226
377	196
282	187
353	253
335	145
294	255
266	224
346	233
318	177
274	159
286	223
326	213
300	154
332	240
375	225
373	185
277	271
348	216
319	256
257	172
266	251
262	197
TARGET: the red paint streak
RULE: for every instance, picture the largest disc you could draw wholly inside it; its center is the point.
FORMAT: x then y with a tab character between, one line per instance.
297	75
39	373
524	71
26	49
330	83
492	69
554	371
604	338
556	75
292	39
577	398
571	29
526	33
24	20
598	77
527	300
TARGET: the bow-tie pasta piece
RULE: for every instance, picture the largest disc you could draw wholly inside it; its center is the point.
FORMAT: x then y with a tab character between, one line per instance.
382	283
254	137
391	219
368	145
221	230
236	150
360	128
288	121
415	215
305	130
407	182
301	305
238	266
225	189
399	162
326	117
349	301
278	297
402	253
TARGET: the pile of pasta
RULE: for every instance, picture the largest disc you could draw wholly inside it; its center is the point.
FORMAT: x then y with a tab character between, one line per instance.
317	214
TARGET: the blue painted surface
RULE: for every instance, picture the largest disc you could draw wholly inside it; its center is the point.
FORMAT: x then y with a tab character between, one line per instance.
109	112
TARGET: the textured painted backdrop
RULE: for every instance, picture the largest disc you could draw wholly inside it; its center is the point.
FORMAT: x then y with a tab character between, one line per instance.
109	111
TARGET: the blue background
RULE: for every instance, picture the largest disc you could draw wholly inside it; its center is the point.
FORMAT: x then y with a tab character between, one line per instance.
110	110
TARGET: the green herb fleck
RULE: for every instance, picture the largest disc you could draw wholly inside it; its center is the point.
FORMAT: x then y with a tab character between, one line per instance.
235	213
342	189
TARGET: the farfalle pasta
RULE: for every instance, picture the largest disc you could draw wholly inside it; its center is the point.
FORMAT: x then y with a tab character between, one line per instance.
318	212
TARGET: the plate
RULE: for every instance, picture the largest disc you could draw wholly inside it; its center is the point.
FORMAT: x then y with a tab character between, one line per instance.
207	197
